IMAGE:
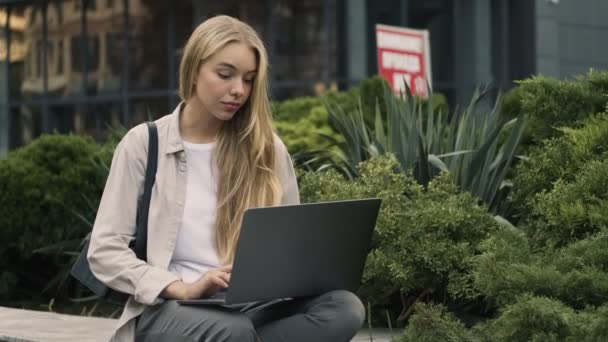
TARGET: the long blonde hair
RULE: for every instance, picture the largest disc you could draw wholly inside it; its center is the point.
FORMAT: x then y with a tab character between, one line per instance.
245	152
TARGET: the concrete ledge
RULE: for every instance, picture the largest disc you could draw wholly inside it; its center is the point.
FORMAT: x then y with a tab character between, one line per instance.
37	326
18	325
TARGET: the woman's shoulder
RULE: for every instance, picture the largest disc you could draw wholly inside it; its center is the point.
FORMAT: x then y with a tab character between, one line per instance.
279	145
136	138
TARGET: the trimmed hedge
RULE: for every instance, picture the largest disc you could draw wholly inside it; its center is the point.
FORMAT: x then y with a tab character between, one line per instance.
509	268
424	241
558	159
432	323
42	186
549	103
572	210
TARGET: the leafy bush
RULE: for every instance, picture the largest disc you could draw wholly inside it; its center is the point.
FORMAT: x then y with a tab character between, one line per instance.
590	252
431	323
572	210
304	132
593	324
303	122
560	158
577	275
549	103
532	319
41	186
294	109
424	239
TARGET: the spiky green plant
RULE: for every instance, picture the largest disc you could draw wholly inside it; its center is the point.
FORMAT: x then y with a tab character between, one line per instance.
475	145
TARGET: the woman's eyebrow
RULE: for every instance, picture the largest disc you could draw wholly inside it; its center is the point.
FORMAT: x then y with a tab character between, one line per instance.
230	66
227	65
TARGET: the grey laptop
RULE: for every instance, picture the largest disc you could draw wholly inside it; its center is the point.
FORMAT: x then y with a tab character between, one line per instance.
299	250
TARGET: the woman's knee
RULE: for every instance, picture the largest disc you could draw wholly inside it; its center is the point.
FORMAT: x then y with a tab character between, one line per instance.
352	308
238	328
348	313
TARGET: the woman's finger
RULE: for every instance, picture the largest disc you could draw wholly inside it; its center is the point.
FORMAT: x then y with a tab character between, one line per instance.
225	276
218	280
226	268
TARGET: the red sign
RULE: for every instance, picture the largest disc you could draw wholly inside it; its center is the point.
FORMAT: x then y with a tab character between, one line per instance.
404	55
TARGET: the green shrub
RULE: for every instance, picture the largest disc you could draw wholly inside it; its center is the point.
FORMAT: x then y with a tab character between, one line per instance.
576	275
593	325
300	122
306	134
572	210
498	269
431	323
531	318
590	252
42	185
597	80
549	103
558	159
424	240
295	109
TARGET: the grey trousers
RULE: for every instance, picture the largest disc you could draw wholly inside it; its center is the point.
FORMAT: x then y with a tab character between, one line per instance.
335	316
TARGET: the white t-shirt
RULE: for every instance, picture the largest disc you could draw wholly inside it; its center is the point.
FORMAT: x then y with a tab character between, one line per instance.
195	251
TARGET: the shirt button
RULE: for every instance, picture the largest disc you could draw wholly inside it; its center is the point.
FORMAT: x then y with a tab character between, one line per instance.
180	203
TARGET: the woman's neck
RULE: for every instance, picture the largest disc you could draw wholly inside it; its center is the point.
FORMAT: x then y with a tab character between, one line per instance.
197	126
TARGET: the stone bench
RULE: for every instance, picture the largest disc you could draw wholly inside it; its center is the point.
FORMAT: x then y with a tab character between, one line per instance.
18	325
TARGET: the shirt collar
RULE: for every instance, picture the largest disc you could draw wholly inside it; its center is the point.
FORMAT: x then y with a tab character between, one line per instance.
174	139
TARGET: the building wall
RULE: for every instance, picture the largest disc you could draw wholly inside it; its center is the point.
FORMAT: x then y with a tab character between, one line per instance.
313	44
571	36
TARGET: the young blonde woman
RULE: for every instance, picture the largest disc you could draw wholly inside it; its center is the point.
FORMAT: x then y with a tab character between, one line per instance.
217	157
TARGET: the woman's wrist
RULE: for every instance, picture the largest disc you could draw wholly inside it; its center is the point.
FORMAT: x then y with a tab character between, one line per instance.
176	290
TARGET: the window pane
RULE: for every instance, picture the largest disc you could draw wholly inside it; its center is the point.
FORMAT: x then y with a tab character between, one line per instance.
110	79
143	110
63	24
26	124
149	60
184	24
63	118
91	47
100	119
60	60
305	50
298	40
96	120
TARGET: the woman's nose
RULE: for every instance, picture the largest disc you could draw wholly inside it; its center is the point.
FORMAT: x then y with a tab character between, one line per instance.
238	88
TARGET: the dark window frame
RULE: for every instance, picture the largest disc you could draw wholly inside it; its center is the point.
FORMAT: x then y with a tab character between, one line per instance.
42	60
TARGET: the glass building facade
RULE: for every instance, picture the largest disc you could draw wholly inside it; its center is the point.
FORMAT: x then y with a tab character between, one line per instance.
82	66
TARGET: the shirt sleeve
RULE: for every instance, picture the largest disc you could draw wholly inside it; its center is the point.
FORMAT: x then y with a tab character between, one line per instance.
110	258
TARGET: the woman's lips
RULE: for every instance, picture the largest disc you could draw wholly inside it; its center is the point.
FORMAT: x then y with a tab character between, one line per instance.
230	106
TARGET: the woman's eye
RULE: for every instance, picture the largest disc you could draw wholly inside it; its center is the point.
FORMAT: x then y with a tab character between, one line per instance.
249	80
224	76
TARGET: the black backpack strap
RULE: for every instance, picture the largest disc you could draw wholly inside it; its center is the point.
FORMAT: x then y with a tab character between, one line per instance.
141	239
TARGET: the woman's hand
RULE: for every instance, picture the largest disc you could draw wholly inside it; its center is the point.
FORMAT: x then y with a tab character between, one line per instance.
207	285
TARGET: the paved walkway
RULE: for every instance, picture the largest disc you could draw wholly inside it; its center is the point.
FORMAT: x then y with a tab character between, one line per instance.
18	325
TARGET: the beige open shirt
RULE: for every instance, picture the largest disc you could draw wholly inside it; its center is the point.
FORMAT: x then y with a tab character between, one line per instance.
109	256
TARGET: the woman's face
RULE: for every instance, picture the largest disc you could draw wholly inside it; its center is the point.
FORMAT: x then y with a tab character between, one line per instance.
224	81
